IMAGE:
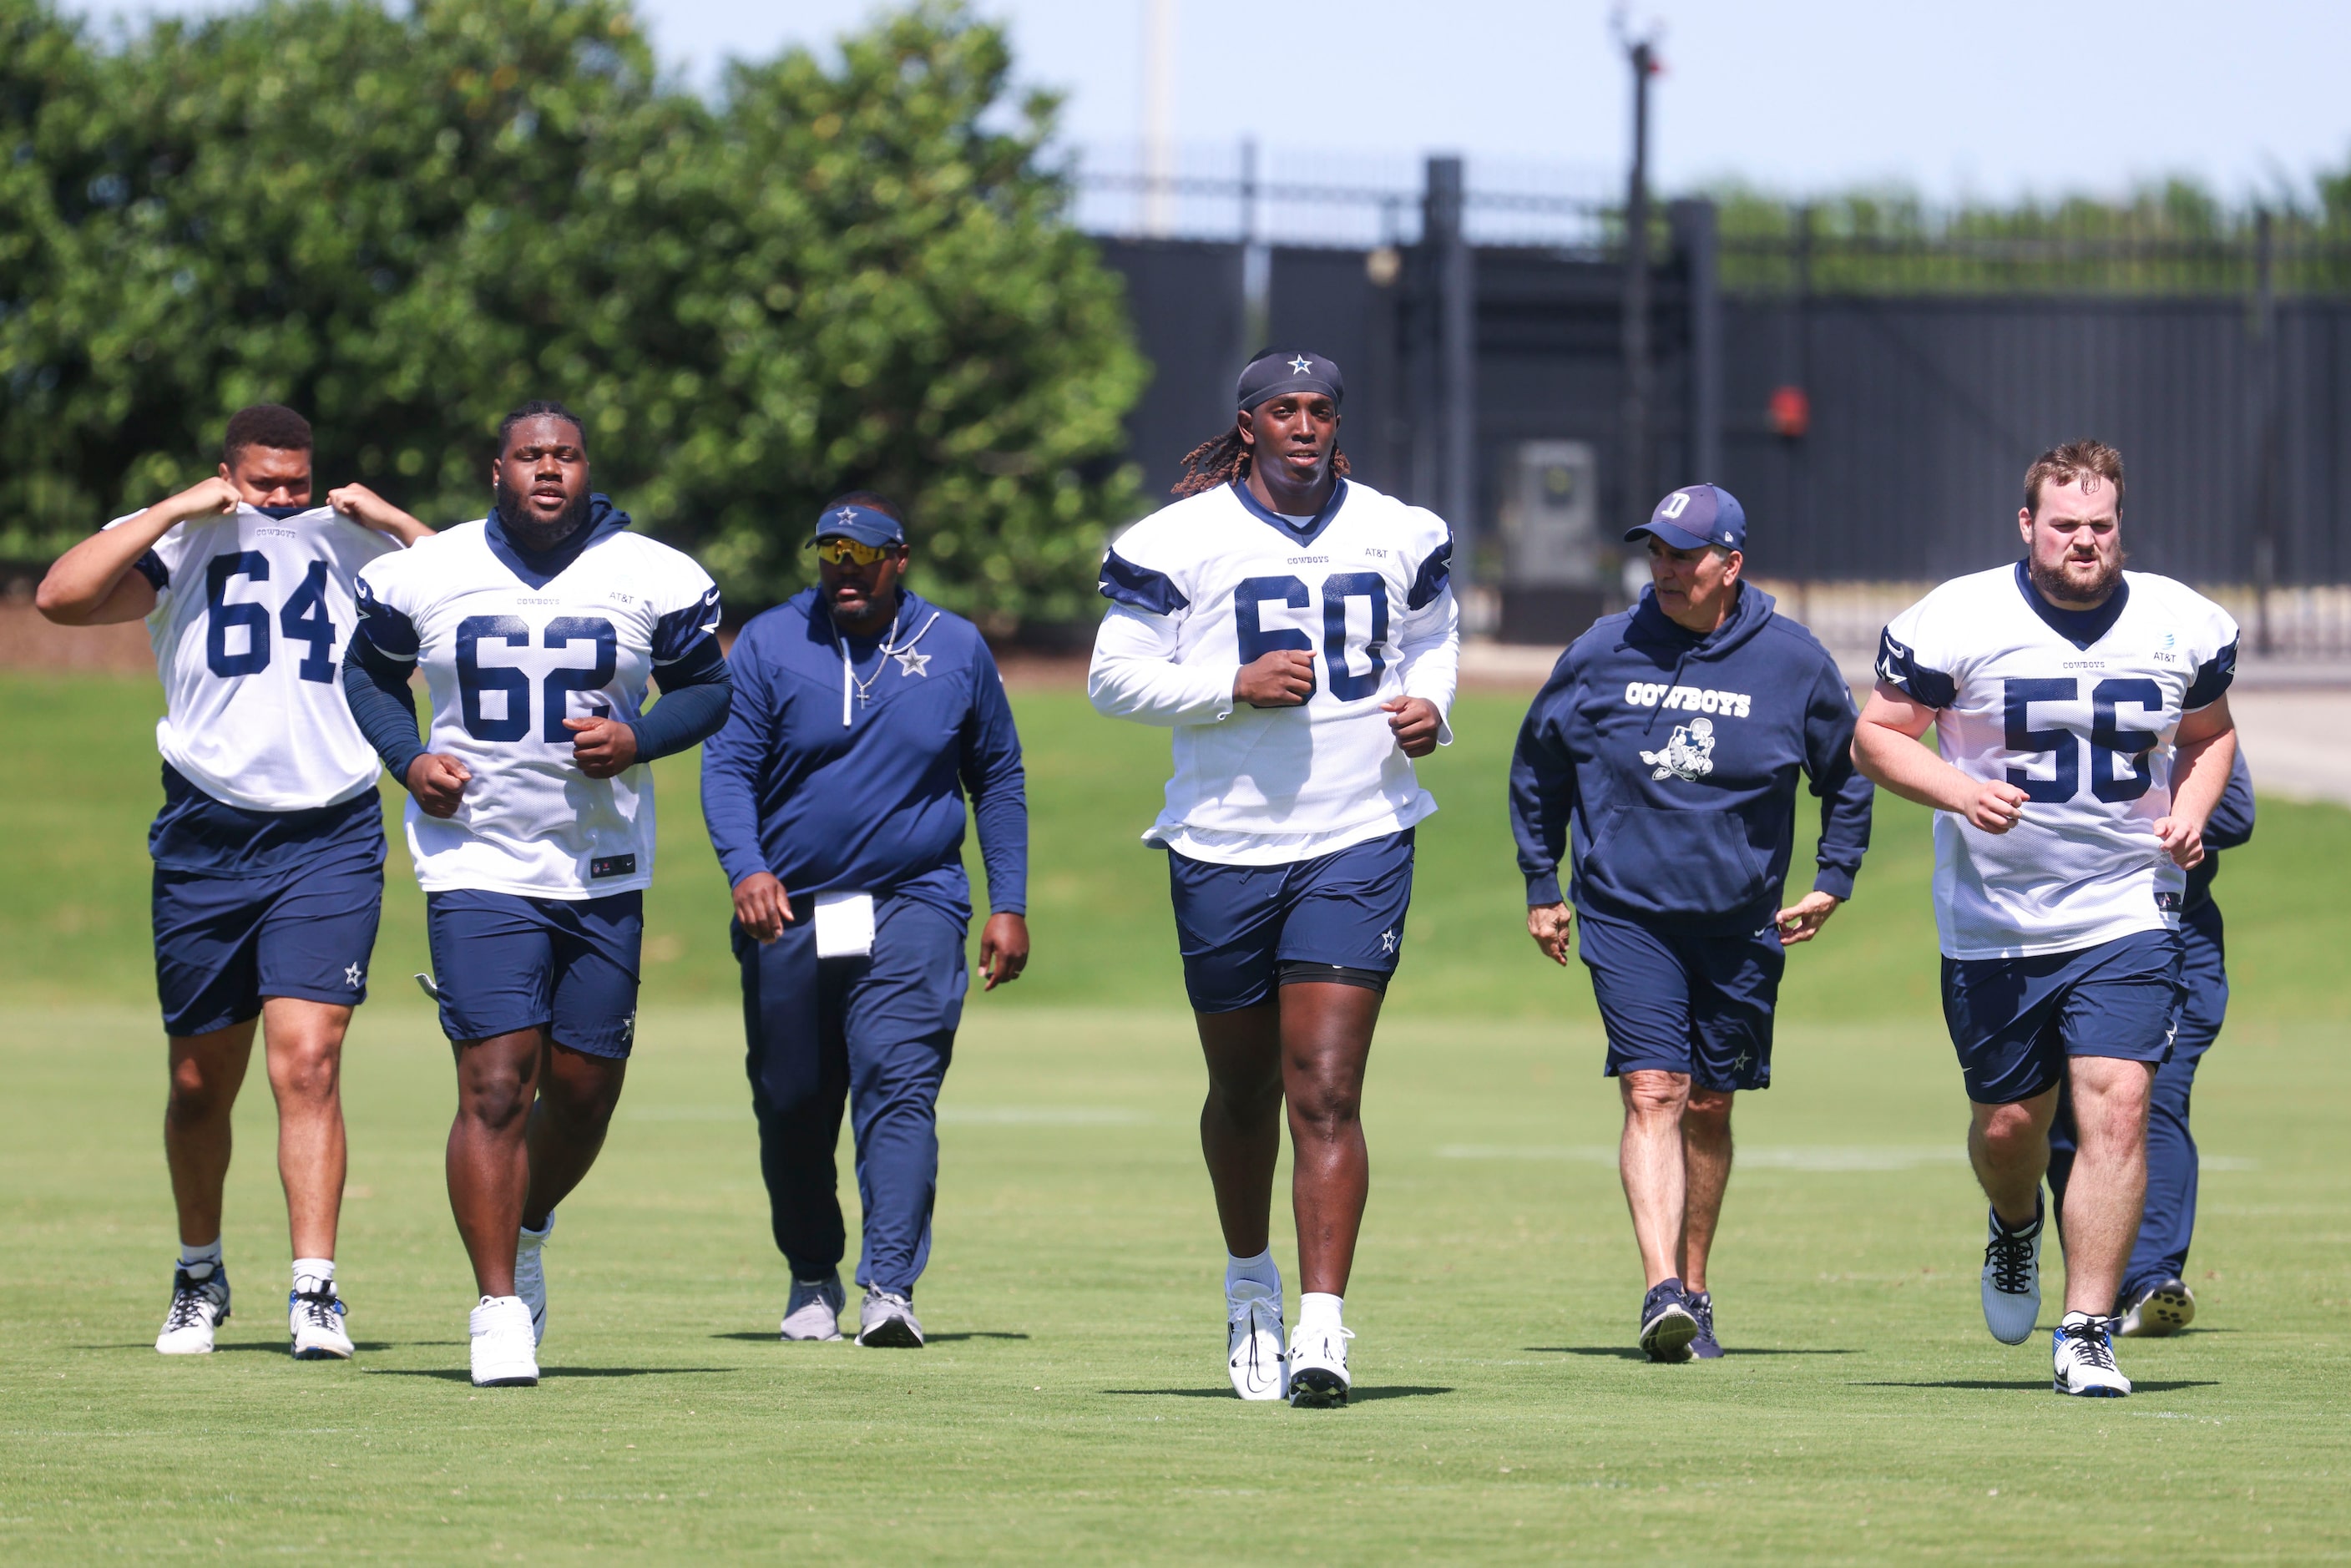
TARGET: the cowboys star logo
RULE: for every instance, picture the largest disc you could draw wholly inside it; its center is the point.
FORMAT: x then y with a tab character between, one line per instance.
1300	365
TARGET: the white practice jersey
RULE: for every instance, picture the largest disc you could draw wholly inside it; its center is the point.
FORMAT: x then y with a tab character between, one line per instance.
1211	583
508	657
252	615
2077	709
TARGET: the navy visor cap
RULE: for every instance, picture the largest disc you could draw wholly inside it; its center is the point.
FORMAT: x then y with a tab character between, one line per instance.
865	524
1694	516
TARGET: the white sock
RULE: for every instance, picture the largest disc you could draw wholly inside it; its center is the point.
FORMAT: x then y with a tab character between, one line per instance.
316	1272
200	1261
1319	1310
1261	1270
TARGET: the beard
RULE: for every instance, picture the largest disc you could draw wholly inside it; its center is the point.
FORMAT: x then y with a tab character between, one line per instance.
2056	586
528	531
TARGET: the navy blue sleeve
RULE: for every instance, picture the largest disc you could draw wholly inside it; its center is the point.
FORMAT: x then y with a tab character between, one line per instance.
999	787
150	566
1543	789
1430	579
2231	823
375	684
1899	668
1124	582
1846	796
696	695
731	761
2211	682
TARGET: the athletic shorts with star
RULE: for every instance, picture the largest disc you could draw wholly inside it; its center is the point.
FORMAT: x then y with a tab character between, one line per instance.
268	848
2078	709
508	654
1210	584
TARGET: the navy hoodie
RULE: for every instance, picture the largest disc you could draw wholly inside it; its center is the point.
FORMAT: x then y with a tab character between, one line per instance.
1674	760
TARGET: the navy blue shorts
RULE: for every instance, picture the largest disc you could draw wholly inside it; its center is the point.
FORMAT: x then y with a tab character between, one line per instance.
1679	1003
503	962
2014	1021
307	931
1240	924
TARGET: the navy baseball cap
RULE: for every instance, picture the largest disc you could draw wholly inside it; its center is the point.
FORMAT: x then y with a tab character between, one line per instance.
1694	516
866	524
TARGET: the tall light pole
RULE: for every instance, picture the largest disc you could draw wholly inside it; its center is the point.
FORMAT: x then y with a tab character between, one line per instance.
1159	117
1641	54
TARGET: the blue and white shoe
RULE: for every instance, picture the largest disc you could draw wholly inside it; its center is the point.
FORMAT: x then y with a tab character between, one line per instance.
812	1312
2012	1278
198	1306
315	1316
2084	1357
1668	1325
531	1276
1701	1307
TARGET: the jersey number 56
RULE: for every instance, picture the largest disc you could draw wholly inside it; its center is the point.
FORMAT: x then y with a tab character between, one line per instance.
2118	769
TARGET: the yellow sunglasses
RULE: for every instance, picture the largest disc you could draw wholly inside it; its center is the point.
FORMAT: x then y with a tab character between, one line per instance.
837	550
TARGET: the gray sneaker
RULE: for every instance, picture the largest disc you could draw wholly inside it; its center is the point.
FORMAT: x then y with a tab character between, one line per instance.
813	1308
888	1320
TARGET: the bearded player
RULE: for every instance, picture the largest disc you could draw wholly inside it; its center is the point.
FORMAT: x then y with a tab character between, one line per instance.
531	822
1297	632
2081	715
268	849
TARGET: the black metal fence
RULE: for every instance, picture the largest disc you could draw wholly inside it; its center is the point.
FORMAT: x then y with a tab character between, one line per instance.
1874	401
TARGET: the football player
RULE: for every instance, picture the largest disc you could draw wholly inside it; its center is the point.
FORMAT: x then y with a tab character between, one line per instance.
268	849
1297	632
531	823
2081	715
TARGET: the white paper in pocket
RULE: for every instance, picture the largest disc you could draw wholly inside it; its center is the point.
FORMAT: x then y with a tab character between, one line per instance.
844	925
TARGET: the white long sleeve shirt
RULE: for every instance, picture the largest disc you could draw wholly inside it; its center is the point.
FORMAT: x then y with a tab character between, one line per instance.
1211	583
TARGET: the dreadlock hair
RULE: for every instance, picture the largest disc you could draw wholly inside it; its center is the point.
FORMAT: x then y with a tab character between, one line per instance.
1225	460
537	408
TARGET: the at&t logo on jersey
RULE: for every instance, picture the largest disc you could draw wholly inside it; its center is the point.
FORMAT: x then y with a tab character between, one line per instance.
1689	754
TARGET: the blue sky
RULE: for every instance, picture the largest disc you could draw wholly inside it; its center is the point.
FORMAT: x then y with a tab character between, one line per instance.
1992	98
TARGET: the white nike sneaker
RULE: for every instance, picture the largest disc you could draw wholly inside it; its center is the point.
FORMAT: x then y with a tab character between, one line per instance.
2012	1282
316	1318
887	1321
812	1312
198	1306
2085	1358
505	1354
1318	1368
2164	1310
1253	1353
531	1276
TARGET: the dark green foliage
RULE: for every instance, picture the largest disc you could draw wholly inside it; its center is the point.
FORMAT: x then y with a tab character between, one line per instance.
404	223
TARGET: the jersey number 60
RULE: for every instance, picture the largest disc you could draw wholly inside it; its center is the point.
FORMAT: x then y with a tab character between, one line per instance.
555	687
1337	589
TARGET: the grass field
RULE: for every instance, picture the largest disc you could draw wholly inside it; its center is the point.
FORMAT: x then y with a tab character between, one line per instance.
1072	1405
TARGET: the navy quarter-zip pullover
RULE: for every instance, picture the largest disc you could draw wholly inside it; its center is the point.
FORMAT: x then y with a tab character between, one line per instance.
875	804
1671	760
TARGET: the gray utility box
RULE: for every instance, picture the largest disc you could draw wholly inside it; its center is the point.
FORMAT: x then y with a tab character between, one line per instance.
1557	574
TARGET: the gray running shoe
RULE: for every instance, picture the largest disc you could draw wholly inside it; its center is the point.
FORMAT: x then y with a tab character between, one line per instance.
887	1320
812	1312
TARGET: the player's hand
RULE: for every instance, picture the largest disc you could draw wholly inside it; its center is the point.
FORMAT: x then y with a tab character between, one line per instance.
1003	948
2183	841
762	906
438	781
213	497
1283	678
602	746
367	509
1801	921
1416	722
1995	806
1552	926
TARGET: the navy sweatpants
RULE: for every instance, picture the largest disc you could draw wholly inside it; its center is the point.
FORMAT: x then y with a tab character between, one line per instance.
2169	1224
877	1033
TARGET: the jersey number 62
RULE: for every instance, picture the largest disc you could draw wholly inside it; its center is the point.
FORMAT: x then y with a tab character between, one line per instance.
555	687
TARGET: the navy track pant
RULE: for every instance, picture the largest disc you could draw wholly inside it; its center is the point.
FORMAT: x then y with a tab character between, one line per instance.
876	1033
2170	1223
